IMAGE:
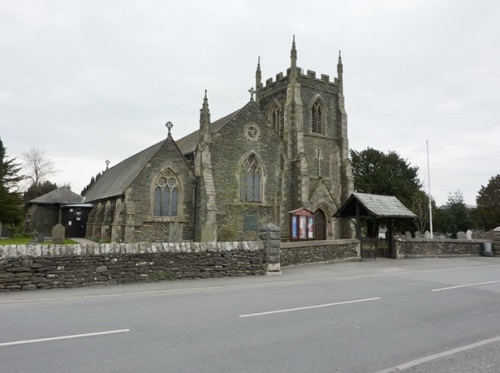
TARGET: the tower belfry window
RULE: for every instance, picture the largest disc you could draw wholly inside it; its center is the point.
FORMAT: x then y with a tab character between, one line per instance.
275	118
317	117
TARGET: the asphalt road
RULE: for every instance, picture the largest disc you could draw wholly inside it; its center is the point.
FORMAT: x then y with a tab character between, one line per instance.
417	315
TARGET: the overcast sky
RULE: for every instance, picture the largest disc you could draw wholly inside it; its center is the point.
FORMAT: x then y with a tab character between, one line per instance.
90	81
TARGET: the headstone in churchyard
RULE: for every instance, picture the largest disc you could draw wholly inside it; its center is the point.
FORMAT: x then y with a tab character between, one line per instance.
461	235
58	232
408	235
427	234
40	237
418	234
468	234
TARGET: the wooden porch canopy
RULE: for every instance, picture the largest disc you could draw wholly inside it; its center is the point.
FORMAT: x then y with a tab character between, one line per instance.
362	206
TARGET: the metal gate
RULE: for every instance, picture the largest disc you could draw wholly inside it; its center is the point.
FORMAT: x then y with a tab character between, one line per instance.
369	248
374	248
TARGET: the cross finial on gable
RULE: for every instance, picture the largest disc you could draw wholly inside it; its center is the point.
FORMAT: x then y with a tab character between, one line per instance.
252	92
169	126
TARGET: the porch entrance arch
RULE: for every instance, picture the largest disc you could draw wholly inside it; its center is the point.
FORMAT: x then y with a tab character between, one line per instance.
320	225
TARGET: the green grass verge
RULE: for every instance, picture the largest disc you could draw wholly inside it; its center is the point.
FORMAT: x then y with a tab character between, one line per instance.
27	239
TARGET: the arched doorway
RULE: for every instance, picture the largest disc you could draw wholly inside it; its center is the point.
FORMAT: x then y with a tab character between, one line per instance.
319	225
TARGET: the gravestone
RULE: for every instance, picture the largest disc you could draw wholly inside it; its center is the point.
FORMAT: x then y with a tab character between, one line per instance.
468	234
39	236
461	236
418	234
427	234
58	233
408	235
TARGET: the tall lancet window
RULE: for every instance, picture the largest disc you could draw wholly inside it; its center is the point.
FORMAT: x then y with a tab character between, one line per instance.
250	180
317	117
166	195
275	118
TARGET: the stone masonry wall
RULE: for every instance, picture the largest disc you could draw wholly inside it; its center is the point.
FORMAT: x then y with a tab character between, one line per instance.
438	248
30	267
319	251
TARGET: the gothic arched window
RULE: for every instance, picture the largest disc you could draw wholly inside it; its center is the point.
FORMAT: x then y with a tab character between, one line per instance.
250	180
166	195
317	117
275	117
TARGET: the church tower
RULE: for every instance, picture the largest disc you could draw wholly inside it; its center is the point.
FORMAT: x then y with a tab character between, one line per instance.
309	114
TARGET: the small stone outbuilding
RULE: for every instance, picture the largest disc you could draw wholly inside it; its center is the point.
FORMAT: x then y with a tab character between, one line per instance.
46	211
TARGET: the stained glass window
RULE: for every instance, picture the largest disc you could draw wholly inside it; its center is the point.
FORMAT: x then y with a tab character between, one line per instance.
166	195
250	179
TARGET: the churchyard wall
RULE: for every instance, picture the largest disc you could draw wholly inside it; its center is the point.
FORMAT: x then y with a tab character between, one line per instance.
30	267
302	252
422	247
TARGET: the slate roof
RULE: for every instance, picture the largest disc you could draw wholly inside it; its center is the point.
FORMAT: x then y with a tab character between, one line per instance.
115	180
188	143
374	205
60	196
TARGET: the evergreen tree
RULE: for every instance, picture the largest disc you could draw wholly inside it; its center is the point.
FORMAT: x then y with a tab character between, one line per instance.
37	190
10	201
454	216
487	213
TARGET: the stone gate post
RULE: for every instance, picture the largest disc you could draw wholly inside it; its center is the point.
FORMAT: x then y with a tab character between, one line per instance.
271	235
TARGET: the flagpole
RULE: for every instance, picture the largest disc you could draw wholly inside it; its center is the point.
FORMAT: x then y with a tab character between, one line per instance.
429	184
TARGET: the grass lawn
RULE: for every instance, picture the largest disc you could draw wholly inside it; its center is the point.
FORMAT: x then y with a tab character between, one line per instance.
27	239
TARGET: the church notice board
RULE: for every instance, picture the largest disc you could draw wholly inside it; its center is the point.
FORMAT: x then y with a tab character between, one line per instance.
301	224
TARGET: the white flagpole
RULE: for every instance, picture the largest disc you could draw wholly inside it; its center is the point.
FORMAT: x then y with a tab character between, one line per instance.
429	183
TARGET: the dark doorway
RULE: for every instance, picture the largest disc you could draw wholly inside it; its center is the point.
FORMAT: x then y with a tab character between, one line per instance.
319	225
74	218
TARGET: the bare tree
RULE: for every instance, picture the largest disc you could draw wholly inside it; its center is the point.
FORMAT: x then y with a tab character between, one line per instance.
37	166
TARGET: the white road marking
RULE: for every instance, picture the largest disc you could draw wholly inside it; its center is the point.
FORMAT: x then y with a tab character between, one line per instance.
466	285
63	337
310	307
440	355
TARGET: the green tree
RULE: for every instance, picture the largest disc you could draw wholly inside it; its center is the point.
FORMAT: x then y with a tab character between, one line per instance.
419	204
487	213
454	216
387	174
10	201
37	190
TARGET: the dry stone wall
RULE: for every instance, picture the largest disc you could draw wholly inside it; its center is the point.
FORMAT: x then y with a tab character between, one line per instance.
319	251
31	267
438	248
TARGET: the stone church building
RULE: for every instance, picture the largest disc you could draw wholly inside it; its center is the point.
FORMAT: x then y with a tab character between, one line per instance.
285	150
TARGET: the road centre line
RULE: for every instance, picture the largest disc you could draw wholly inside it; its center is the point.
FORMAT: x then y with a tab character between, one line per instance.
466	285
63	337
310	307
440	355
